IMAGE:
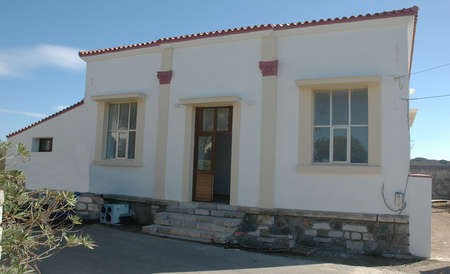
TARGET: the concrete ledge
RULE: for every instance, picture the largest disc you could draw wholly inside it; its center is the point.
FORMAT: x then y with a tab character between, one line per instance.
385	218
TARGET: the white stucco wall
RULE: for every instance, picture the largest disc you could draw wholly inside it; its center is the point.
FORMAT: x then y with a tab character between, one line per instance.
228	66
219	69
66	167
352	51
418	199
132	74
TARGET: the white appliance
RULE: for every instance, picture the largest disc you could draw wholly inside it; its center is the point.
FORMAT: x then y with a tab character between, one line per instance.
111	213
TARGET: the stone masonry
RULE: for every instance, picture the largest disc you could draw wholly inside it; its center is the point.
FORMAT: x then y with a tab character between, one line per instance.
288	230
307	232
89	206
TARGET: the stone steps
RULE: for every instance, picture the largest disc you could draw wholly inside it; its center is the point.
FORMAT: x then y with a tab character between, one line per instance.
184	233
201	222
207	212
161	217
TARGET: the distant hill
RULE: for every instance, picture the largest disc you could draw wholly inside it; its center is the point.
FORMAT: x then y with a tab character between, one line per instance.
420	161
439	169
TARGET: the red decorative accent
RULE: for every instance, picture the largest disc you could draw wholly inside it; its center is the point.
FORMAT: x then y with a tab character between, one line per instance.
164	77
46	119
420	175
269	68
413	11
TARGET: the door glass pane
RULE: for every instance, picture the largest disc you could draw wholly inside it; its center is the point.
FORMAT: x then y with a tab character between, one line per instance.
321	144
321	108
222	119
122	146
340	107
208	119
110	145
359	148
131	144
113	116
359	106
204	158
123	116
133	112
340	145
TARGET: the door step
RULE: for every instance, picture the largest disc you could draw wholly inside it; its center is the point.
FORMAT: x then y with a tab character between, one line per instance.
200	222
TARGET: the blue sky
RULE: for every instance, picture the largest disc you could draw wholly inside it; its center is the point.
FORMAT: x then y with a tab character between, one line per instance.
40	71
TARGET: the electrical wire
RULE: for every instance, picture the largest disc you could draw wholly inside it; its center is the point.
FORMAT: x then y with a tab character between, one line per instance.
421	71
398	210
427	97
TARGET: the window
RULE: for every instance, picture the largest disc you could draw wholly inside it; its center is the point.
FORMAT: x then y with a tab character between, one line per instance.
45	144
121	131
340	126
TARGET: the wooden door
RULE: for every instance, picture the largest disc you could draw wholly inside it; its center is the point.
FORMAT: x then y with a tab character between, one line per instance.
210	123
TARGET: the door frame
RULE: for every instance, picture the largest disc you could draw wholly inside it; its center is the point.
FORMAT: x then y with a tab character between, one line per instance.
190	106
198	132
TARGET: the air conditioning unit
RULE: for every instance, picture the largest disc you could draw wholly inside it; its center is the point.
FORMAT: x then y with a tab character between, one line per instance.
111	213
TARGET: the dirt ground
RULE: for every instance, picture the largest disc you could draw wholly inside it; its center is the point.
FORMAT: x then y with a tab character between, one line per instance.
440	249
440	236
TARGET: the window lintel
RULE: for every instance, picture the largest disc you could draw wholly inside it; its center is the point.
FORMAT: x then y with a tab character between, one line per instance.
332	82
118	97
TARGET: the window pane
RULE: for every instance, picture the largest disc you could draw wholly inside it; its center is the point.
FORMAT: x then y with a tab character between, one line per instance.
204	153
123	116
133	113
340	145
322	108
359	106
222	119
322	144
208	119
359	148
110	145
45	144
122	146
340	107
131	144
113	116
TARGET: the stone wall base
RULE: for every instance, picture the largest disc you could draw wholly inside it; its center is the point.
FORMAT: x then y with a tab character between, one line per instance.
381	235
89	206
301	230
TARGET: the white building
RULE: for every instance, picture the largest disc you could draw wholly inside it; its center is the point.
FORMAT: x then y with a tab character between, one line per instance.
305	116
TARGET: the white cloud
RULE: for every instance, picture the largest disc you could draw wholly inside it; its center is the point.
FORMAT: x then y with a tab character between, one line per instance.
25	113
17	62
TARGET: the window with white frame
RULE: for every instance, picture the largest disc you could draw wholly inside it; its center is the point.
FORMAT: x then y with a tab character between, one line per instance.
340	128
121	131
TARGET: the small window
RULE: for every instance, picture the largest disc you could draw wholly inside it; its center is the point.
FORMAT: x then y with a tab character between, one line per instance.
44	144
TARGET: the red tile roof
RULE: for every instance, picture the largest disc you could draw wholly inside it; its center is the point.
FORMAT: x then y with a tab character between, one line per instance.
412	11
46	119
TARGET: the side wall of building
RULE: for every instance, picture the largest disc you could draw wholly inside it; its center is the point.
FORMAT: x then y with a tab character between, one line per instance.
66	166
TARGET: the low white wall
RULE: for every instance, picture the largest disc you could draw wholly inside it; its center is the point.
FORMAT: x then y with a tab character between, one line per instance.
418	200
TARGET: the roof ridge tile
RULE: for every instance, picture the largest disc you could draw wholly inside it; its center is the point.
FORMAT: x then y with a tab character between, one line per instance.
345	19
